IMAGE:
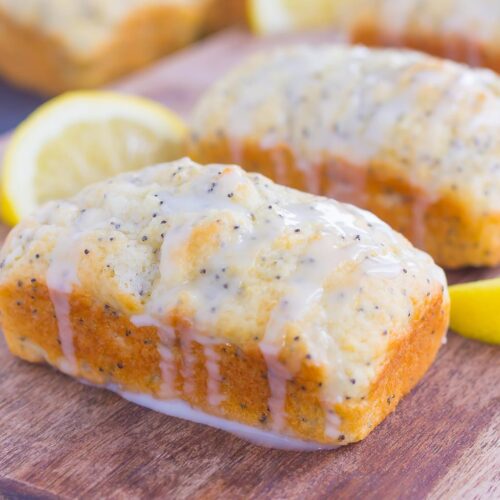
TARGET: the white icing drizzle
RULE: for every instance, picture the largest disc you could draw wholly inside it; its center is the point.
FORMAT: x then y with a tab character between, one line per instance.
181	409
194	206
280	166
236	149
277	377
60	278
332	422
304	294
62	310
168	366
399	14
383	266
419	211
312	175
214	394
188	363
242	255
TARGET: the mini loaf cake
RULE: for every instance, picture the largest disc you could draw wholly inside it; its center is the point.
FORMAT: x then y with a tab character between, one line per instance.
410	137
464	30
55	45
223	13
214	294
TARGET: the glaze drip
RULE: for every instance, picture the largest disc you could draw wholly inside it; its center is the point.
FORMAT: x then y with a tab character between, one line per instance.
180	409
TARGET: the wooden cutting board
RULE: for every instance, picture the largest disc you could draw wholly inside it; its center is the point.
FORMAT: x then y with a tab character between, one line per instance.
61	438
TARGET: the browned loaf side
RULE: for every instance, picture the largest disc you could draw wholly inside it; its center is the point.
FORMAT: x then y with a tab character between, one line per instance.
460	30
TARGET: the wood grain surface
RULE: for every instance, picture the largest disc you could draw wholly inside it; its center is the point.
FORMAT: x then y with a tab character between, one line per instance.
59	438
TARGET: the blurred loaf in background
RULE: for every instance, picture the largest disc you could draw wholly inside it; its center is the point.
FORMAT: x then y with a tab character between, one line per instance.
463	30
224	13
410	137
54	45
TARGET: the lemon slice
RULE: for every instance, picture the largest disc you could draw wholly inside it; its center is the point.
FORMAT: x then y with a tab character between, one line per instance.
475	310
279	16
80	138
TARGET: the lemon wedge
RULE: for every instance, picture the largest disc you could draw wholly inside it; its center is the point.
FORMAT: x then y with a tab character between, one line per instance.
282	16
80	138
475	310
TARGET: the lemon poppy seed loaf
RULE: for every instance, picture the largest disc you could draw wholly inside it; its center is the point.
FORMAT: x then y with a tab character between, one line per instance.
291	315
412	138
463	30
223	13
56	45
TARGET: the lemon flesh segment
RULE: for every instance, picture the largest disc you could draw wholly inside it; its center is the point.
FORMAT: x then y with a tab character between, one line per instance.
88	152
80	138
282	16
475	310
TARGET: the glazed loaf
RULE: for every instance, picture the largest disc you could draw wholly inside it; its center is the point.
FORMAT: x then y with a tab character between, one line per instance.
55	45
464	30
289	313
410	137
223	13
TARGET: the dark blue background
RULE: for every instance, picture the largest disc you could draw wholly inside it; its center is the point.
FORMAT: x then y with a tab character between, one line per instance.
15	105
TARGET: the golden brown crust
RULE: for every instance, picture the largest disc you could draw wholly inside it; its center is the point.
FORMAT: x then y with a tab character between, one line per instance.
29	58
112	350
223	13
37	60
444	227
409	360
459	48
